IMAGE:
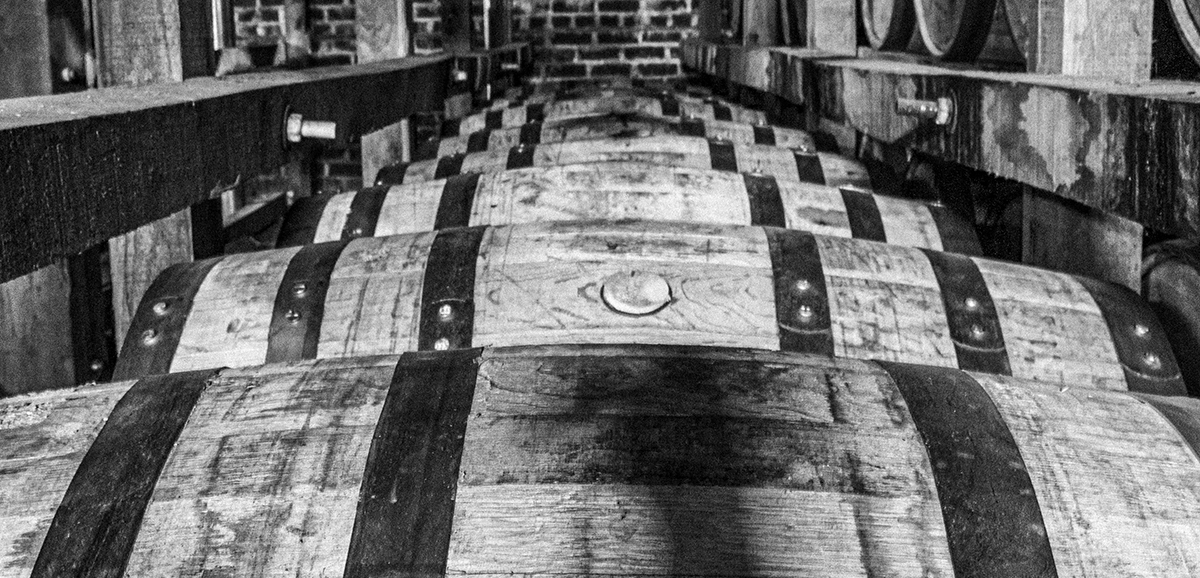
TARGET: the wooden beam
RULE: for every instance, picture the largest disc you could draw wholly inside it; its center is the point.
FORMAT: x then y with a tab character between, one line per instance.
77	169
1130	149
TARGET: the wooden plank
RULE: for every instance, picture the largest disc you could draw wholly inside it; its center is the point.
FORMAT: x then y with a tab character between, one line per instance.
151	151
1132	149
35	331
833	25
1067	236
150	41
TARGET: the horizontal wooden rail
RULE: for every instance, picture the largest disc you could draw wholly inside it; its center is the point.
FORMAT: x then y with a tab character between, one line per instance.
1132	149
77	169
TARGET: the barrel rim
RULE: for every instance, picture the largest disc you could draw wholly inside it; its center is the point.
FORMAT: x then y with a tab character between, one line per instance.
1187	24
900	25
974	21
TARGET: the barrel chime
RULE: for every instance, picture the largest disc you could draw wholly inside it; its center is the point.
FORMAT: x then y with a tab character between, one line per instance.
617	331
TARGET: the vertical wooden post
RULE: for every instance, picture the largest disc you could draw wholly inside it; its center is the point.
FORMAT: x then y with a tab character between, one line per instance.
143	42
832	26
760	22
1067	236
382	27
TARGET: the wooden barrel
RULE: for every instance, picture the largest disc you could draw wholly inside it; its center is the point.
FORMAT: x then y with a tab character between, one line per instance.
656	106
1171	283
616	191
648	283
597	461
888	23
966	30
1186	16
695	97
668	151
617	126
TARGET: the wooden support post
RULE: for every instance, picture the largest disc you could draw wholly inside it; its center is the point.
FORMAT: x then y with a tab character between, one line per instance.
760	22
1107	38
1067	236
382	27
832	26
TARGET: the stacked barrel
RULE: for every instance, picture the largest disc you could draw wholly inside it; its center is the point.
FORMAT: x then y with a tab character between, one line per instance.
616	331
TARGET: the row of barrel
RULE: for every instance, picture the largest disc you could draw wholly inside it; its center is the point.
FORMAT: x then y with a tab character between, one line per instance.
616	331
991	30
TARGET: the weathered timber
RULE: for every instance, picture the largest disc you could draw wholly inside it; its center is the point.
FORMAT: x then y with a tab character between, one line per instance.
1129	149
598	460
1066	236
1109	38
616	191
80	168
1185	15
381	30
764	288
24	48
831	25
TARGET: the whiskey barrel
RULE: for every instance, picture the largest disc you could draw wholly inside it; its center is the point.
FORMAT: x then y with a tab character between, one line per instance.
668	106
616	126
597	461
615	191
967	30
1171	283
1186	16
668	151
648	283
888	23
695	97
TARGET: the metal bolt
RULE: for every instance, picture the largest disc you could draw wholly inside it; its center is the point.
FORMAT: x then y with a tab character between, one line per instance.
1141	330
149	337
161	307
292	316
441	344
1152	361
445	312
940	111
300	289
805	313
971	303
297	128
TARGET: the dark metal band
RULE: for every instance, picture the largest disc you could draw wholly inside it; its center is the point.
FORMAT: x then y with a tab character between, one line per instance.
721	112
970	313
693	127
520	157
1141	342
451	127
863	214
801	297
493	119
535	113
808	168
449	166
458	198
406	504
478	141
531	133
301	221
448	292
96	525
364	212
993	520
158	324
722	156
299	308
957	234
669	105
391	175
766	205
764	135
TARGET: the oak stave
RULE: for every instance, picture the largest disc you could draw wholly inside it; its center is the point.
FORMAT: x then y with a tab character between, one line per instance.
616	460
616	191
616	126
542	283
1171	283
668	151
666	106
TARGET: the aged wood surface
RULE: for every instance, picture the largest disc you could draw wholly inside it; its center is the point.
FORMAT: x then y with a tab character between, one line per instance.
381	30
1066	236
36	351
831	25
543	283
1128	148
1084	37
24	48
151	151
669	106
627	461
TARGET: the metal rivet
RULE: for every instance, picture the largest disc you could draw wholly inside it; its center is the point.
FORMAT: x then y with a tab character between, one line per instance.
971	303
149	337
977	331
805	313
445	312
161	307
356	232
1141	330
802	286
1152	361
762	122
441	344
292	316
300	289
96	365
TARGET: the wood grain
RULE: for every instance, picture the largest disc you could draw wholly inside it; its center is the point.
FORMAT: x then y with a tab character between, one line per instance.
137	257
36	351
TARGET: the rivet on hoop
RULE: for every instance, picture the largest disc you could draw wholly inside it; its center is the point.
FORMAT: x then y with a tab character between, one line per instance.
802	286
161	307
300	289
978	332
805	313
149	337
292	316
445	312
971	303
1141	330
441	344
1152	361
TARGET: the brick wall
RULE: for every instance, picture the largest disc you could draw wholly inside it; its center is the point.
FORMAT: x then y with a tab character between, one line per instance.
592	38
331	23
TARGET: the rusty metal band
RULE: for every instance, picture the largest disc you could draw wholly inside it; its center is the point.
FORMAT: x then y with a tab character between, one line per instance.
531	133
299	307
520	157
970	314
451	127
391	174
157	325
801	297
97	522
448	291
406	501
766	204
364	212
478	141
1140	341
693	127
449	166
764	135
993	520
863	214
956	233
722	156
301	221
493	119
458	198
808	168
